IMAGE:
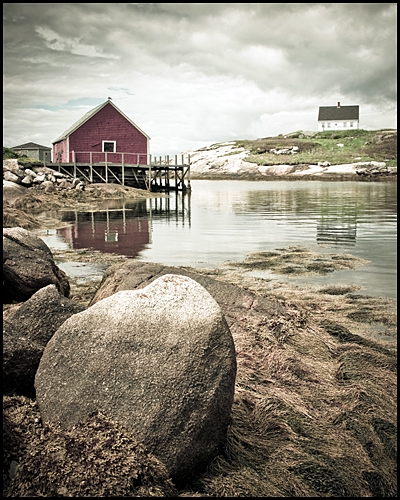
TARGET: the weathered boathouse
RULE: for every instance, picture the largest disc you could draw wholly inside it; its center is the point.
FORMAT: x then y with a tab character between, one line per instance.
35	151
105	145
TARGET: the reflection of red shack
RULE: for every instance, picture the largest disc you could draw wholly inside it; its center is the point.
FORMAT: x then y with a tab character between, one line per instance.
108	231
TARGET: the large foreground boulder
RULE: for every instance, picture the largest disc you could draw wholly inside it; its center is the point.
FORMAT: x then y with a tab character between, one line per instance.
160	361
26	333
28	266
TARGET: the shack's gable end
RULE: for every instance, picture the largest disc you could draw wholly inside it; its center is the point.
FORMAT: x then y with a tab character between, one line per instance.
103	123
88	115
108	125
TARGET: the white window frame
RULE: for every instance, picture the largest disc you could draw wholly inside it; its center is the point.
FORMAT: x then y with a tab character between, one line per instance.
113	142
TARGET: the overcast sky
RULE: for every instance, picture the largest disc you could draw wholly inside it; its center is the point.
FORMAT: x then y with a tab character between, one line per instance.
193	74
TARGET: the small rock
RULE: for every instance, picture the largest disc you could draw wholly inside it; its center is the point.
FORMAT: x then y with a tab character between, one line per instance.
48	186
39	178
10	177
27	181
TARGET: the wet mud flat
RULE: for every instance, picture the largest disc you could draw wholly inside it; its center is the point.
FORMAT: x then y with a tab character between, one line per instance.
367	315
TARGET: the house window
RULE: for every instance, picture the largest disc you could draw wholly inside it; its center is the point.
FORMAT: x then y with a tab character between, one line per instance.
344	124
111	236
109	146
351	124
329	124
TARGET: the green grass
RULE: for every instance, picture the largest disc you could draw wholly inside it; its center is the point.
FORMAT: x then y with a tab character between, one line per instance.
358	146
9	153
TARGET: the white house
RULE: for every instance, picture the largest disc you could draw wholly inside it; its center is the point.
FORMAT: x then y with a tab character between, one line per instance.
338	117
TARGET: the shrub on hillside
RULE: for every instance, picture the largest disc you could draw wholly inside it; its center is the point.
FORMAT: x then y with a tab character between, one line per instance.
9	153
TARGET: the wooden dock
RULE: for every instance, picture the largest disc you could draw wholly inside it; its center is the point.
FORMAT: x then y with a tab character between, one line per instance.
151	173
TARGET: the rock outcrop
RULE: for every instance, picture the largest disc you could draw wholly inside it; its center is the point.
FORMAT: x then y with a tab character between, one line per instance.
234	301
12	191
47	178
374	169
28	266
159	360
223	158
21	358
26	333
228	159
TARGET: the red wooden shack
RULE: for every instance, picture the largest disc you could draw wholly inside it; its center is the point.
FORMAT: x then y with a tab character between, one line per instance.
102	134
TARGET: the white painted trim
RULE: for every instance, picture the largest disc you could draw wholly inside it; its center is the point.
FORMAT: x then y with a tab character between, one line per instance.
115	146
148	149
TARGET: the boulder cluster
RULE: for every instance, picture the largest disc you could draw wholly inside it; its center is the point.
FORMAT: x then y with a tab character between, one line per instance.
152	368
41	177
373	169
292	150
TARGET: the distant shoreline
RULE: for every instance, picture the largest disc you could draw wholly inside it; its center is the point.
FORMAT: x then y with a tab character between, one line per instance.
291	177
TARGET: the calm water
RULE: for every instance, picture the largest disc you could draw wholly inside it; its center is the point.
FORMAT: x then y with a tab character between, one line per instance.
223	221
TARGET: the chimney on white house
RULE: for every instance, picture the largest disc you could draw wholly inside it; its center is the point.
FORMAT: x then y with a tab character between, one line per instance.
338	104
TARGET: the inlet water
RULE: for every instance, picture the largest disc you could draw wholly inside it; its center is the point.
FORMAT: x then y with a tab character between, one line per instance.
220	221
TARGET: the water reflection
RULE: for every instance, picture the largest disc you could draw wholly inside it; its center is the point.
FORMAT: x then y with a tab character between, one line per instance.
334	210
126	230
173	208
337	221
337	232
221	221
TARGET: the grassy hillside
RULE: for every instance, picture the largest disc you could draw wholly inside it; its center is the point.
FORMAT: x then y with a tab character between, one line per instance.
356	146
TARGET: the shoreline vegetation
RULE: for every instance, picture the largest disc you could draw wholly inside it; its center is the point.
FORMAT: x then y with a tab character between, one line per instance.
341	155
315	407
336	147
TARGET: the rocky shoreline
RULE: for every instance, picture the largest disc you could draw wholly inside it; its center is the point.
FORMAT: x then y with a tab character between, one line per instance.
314	404
228	161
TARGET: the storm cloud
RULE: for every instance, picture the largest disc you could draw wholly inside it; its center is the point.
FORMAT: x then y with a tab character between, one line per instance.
190	75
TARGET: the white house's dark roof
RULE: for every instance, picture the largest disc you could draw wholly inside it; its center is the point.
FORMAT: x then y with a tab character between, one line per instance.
338	113
31	145
89	115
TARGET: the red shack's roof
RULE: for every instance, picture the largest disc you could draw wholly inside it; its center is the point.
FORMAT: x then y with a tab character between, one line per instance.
89	115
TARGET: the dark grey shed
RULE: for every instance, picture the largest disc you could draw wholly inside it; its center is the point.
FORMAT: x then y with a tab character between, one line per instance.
33	150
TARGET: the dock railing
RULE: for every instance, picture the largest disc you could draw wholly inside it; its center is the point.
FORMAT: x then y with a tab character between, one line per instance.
110	166
124	158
